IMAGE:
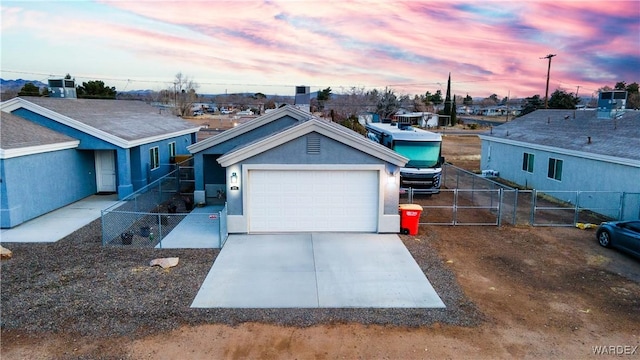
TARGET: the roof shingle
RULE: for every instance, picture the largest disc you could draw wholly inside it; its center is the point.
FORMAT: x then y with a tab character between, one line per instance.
16	132
126	119
576	130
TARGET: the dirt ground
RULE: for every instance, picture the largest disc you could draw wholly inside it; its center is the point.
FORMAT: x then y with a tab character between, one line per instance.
546	292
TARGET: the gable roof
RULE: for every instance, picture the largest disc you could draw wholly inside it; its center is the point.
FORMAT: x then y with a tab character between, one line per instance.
124	123
21	137
568	131
331	130
226	135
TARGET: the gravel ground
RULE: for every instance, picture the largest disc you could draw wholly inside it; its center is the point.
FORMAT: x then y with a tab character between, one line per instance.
76	286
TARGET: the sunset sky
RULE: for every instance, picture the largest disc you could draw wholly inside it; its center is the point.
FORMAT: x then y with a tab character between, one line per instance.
271	46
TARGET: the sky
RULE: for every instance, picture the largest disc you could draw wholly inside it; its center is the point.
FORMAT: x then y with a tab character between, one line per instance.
410	47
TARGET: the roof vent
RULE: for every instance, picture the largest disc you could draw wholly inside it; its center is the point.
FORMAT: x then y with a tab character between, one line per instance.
313	144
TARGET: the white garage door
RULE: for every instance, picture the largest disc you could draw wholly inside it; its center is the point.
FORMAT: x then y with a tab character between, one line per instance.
313	200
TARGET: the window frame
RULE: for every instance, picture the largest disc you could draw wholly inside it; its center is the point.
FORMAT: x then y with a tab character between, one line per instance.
154	158
554	170
528	159
172	149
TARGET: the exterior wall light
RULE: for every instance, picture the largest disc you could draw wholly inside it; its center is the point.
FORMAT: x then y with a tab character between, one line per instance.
234	181
391	179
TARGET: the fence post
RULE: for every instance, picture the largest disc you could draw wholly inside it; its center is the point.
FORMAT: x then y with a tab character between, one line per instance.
515	207
473	187
577	208
455	206
500	194
102	225
532	216
159	236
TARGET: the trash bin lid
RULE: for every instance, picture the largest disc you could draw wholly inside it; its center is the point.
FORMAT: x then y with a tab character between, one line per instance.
413	207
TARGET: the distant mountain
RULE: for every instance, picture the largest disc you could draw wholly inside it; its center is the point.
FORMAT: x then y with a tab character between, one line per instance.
16	85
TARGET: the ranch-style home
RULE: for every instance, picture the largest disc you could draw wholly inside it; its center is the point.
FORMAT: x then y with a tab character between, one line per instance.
288	171
572	150
55	151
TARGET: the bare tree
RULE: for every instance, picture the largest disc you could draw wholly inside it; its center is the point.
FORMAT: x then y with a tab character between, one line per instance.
184	94
350	103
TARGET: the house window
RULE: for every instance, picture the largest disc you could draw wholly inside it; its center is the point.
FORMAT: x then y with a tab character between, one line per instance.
172	150
154	158
527	162
555	169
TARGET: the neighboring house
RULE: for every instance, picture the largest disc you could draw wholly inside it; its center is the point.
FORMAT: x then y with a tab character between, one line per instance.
120	146
572	150
33	159
288	171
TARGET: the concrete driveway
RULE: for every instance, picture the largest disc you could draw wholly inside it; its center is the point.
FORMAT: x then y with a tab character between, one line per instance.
318	270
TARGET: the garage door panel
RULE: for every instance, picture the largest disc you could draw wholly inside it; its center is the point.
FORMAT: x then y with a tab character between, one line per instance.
313	200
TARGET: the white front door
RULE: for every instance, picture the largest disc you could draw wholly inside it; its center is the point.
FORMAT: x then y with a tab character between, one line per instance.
105	170
313	200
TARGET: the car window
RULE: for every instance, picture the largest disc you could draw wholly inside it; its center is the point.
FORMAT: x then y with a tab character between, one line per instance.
633	226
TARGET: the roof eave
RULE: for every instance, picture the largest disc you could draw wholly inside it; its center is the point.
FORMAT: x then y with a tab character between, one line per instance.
278	139
248	126
17	103
557	150
32	150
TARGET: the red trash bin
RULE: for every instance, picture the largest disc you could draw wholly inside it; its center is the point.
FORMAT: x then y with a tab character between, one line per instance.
409	218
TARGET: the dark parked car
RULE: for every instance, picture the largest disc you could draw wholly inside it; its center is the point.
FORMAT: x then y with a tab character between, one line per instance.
623	235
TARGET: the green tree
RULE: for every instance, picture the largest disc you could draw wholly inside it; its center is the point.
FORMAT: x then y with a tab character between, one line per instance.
433	99
29	90
468	101
323	97
633	96
96	90
353	124
454	110
532	104
437	99
621	85
447	100
561	99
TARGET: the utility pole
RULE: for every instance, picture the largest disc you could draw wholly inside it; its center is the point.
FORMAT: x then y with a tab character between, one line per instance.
546	94
508	96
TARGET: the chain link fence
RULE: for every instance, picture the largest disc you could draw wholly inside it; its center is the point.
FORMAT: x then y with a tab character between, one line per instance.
470	199
145	217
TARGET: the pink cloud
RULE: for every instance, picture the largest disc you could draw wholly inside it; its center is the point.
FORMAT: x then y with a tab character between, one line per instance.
491	45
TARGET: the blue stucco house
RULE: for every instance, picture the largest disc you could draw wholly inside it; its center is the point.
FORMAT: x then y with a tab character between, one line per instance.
571	150
56	151
288	171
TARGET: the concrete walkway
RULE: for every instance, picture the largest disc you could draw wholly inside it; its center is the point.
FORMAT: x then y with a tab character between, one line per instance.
198	230
319	270
57	224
